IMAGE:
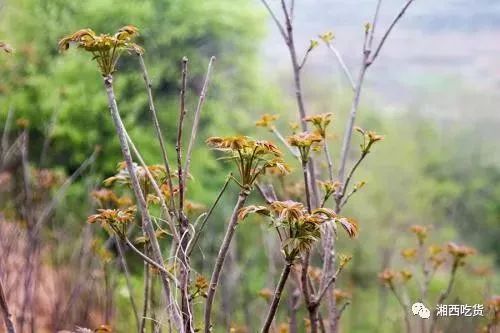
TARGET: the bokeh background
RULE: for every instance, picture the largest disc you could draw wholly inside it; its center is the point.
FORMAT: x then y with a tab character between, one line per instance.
433	93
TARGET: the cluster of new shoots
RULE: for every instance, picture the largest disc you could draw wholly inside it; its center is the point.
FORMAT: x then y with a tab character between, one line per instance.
106	49
252	157
298	229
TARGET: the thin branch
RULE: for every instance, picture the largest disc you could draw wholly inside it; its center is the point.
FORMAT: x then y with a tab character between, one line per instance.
292	150
178	145
146	294
346	144
123	262
351	173
276	298
348	196
156	123
48	136
404	307
149	260
445	293
4	307
197	114
156	188
15	148
292	9
6	130
329	160
342	309
275	19
343	65
388	31
303	62
63	189
219	262
327	285
306	186
207	216
141	201
374	24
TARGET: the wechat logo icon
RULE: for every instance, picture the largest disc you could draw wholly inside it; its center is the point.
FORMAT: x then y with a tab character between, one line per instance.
419	309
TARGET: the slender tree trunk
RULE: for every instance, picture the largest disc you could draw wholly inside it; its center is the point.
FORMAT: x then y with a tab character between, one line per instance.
277	297
147	225
219	262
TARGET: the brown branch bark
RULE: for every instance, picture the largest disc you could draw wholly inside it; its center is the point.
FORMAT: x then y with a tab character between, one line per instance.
183	221
445	294
219	262
156	123
277	297
141	201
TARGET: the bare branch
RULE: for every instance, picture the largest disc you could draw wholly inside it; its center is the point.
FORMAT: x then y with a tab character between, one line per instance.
346	143
343	65
342	309
123	262
6	130
292	150
275	19
351	173
156	188
404	307
219	262
329	160
197	115
178	145
141	201
374	24
64	187
327	285
445	293
149	260
276	298
207	216
48	136
5	311
387	33
156	123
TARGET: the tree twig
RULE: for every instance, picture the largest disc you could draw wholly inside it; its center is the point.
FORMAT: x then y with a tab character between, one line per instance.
275	19
156	188
178	145
277	297
219	262
63	189
445	293
4	307
149	260
152	109
404	307
123	262
388	31
142	206
6	130
343	65
209	213
197	114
